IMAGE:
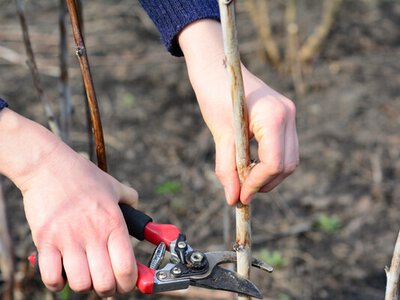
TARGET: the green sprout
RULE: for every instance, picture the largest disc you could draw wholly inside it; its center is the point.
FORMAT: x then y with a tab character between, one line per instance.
284	297
65	294
273	258
128	100
169	188
328	224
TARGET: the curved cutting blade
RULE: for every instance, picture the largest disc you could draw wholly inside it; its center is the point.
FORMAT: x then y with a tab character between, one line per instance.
221	257
226	280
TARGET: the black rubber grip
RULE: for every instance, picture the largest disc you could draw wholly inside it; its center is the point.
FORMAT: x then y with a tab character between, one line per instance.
136	221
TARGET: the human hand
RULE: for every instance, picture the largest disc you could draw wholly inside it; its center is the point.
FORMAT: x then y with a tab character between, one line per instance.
72	209
271	116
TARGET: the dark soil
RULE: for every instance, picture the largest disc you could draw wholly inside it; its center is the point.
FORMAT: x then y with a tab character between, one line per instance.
348	124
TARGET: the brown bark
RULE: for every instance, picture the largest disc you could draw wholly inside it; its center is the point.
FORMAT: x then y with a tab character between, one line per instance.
393	274
81	53
240	116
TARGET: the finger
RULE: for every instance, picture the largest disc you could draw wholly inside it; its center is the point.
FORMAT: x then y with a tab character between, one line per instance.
122	260
291	158
100	269
225	169
273	183
77	269
259	177
50	266
271	149
128	195
291	148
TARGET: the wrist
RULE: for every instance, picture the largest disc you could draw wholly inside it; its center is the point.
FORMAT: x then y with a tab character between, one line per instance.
203	48
202	44
24	146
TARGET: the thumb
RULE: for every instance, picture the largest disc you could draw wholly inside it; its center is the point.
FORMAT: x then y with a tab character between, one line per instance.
128	195
225	169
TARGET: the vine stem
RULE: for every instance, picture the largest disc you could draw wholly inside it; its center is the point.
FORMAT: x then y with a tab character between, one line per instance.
240	119
393	274
65	91
89	87
31	61
76	18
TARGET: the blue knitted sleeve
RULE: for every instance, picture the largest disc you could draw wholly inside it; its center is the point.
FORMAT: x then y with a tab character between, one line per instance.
171	16
3	104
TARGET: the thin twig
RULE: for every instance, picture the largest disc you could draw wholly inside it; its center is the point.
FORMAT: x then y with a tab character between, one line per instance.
259	14
34	70
240	116
89	87
393	274
314	42
14	57
377	174
89	126
292	62
292	30
65	91
11	56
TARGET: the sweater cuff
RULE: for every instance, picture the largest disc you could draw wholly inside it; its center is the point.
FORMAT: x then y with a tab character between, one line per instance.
3	104
171	16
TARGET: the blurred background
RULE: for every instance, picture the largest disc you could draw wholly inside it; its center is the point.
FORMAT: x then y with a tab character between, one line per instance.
328	230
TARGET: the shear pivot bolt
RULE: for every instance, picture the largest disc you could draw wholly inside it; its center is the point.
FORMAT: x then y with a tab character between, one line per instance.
196	258
176	271
181	245
162	275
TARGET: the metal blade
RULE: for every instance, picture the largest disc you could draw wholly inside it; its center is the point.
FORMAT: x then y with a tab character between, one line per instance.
220	257
226	280
255	262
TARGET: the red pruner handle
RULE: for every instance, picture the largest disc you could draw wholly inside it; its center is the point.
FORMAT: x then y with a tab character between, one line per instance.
141	226
145	280
33	259
156	233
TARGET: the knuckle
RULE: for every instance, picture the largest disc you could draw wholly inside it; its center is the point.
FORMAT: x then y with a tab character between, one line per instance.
115	219
45	234
127	288
290	169
53	283
103	281
276	168
115	223
81	285
220	173
291	107
105	290
126	271
280	112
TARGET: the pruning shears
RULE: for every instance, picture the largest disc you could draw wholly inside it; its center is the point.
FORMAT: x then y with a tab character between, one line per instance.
186	266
